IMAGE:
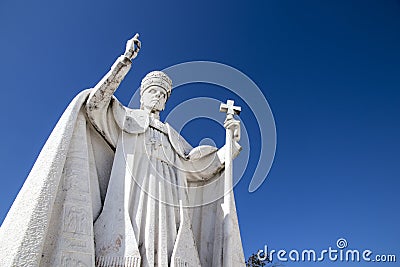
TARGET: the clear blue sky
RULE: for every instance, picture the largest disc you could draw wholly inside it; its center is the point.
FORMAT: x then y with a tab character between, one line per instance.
329	69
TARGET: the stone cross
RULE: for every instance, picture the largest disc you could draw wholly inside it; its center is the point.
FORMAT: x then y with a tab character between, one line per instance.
230	109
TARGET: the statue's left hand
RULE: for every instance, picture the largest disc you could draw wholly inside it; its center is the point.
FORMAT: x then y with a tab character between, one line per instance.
233	124
133	47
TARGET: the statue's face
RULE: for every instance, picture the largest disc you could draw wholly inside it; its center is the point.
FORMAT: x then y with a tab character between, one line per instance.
154	98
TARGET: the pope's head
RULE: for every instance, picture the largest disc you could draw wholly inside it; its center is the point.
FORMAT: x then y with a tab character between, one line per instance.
154	91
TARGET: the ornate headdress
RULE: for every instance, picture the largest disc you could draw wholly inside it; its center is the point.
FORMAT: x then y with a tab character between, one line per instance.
157	78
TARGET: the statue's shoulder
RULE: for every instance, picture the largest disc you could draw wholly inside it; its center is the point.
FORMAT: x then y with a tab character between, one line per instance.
130	120
137	121
184	149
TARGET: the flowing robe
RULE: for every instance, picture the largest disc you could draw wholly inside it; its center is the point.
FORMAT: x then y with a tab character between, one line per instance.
143	208
114	187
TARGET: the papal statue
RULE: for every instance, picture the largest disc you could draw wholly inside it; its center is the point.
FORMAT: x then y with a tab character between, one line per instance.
115	186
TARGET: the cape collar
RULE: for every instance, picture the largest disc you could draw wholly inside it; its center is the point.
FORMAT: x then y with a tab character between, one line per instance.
136	121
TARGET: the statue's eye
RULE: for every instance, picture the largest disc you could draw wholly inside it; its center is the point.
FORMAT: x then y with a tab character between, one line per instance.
152	91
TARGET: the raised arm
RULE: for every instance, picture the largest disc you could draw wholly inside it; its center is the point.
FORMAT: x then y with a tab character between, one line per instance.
97	105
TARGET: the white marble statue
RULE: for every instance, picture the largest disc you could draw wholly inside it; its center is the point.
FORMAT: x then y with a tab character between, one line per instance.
115	186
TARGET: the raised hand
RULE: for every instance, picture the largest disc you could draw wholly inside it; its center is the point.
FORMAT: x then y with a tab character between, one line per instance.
132	47
231	123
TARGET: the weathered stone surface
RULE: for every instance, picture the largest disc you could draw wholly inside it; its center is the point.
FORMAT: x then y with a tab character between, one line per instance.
115	186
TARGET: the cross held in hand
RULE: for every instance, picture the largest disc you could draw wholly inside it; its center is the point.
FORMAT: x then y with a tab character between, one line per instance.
230	109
